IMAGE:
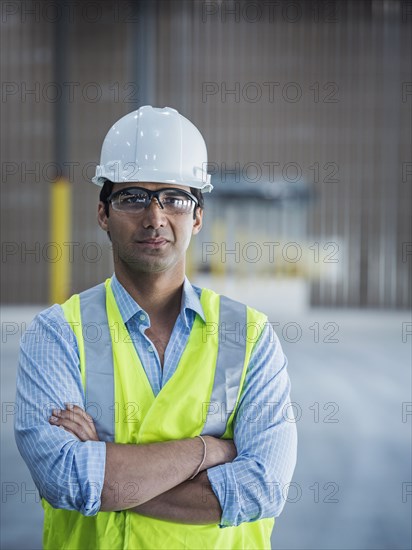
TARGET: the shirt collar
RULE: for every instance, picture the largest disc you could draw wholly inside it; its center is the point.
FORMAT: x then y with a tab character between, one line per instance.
128	307
191	300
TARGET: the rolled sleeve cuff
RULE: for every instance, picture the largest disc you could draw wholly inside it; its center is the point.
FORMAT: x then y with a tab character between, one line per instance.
224	486
92	485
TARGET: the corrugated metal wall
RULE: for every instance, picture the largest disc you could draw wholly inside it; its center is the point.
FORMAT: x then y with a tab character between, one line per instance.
312	86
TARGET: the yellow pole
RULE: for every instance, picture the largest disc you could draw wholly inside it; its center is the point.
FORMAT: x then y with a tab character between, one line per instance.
60	236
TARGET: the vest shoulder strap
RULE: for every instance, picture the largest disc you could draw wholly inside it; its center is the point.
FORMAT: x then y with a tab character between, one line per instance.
98	356
229	365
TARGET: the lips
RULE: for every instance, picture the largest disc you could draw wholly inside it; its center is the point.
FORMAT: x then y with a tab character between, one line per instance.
154	243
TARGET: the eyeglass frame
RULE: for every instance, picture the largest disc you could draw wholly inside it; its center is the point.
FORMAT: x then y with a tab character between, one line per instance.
151	194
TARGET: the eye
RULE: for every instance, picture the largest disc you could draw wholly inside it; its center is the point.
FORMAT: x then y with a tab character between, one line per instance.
129	198
177	200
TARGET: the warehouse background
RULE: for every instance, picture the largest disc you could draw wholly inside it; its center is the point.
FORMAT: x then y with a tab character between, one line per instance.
306	110
313	94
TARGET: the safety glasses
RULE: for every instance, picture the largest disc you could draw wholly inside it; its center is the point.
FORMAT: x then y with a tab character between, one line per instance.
137	199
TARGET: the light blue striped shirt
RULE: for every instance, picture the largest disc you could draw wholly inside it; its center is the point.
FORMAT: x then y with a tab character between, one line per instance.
70	473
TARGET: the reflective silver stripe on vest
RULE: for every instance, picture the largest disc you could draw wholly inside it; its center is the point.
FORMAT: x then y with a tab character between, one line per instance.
100	368
229	366
98	361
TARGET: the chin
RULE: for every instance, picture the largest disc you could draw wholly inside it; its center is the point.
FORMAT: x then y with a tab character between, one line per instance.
155	266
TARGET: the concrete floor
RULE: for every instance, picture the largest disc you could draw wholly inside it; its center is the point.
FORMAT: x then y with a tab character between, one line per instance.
354	448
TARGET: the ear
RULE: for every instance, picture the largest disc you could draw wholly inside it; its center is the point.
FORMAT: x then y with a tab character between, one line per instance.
102	218
198	221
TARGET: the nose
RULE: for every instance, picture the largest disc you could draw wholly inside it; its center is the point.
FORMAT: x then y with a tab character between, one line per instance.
153	215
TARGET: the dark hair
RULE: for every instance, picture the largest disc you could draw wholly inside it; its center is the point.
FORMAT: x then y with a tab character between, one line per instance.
106	191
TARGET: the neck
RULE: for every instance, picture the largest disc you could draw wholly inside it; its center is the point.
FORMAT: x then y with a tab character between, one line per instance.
159	294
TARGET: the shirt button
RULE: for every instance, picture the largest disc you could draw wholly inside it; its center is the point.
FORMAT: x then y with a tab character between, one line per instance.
142	317
150	348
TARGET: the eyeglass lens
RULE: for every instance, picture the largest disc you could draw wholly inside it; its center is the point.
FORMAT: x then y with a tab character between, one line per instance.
136	200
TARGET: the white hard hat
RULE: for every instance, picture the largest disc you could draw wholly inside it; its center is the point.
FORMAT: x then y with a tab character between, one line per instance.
154	145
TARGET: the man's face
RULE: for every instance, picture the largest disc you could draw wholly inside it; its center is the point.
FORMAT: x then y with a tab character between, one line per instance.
149	241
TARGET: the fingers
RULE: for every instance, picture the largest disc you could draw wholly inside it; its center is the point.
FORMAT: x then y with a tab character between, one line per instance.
76	421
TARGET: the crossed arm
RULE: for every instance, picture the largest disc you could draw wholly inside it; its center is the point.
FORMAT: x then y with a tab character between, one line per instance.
153	479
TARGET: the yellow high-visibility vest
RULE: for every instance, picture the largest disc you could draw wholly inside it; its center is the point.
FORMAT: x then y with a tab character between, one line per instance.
177	412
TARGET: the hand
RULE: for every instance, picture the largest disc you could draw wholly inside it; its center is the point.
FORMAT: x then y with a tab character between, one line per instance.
75	421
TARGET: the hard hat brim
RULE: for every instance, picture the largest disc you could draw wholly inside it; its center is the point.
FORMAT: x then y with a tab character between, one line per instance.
205	187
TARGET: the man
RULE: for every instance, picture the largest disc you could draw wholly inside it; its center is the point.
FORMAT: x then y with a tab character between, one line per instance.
186	444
